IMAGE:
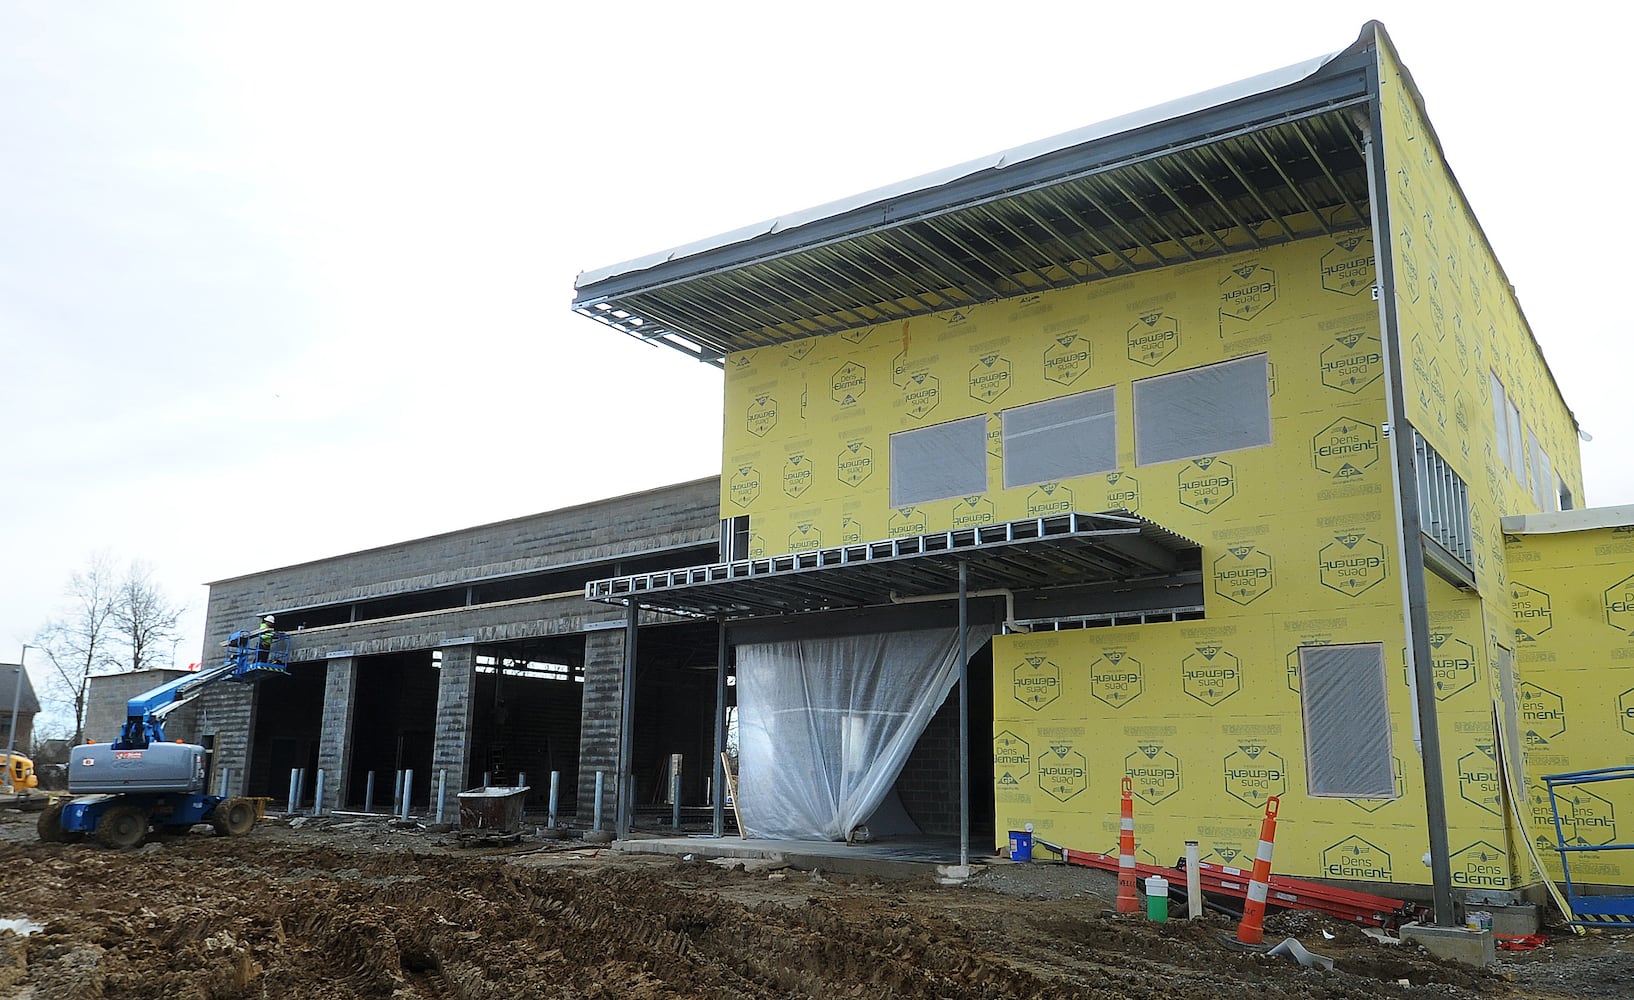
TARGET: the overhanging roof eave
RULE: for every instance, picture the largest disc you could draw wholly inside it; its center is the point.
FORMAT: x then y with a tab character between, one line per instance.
1334	80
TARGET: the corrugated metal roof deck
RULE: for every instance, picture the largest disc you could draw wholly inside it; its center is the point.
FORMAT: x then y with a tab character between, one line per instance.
1269	160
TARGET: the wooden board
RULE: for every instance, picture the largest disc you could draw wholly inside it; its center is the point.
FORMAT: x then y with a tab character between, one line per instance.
732	790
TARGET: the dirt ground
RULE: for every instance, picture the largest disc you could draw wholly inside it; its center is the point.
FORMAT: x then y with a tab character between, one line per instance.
359	909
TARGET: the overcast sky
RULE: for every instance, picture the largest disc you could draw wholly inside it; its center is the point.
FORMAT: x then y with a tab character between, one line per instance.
286	281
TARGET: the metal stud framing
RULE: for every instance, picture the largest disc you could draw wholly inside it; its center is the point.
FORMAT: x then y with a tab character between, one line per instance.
1030	554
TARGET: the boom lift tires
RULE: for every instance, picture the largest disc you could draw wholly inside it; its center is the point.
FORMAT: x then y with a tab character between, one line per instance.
122	826
233	818
50	828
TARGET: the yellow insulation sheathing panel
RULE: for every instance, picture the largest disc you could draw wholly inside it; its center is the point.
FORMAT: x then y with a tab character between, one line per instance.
1468	356
808	424
1573	619
1205	718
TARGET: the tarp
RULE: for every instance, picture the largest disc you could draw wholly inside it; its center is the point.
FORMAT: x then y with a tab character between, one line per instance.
825	725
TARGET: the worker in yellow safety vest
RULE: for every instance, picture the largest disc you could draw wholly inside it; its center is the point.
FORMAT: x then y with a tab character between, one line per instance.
264	634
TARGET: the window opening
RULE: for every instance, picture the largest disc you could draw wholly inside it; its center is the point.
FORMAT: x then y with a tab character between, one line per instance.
1203	411
939	462
1346	711
1060	438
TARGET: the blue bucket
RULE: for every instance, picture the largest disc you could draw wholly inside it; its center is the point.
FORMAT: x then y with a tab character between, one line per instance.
1021	845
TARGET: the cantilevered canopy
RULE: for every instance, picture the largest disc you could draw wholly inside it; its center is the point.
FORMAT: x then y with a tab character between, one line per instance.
1028	555
1269	160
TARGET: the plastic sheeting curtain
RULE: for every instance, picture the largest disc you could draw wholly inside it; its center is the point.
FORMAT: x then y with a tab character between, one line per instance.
825	725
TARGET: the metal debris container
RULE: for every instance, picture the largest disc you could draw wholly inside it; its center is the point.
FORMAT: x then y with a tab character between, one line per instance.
492	813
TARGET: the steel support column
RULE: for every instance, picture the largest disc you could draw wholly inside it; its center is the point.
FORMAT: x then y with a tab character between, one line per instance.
626	737
964	713
1410	529
719	770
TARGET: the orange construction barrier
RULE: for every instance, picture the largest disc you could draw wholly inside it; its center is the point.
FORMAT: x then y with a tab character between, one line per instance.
1128	900
1252	928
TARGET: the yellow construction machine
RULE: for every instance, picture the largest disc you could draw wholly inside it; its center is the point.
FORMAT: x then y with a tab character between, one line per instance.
19	788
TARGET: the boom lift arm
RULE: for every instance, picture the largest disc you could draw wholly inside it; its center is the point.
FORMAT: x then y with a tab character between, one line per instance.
249	654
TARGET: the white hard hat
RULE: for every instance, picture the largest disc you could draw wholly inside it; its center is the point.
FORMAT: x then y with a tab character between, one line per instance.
267	619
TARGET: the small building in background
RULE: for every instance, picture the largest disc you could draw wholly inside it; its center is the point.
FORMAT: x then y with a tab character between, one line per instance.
108	694
28	706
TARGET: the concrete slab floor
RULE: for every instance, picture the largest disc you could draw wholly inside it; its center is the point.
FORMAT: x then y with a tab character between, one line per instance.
886	858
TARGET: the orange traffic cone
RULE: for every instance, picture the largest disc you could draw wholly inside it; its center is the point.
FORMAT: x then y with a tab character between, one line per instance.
1252	928
1128	900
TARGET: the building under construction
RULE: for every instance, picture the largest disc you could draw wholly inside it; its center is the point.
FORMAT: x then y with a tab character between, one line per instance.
1207	446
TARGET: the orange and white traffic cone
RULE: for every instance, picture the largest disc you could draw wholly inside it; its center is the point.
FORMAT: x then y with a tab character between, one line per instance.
1128	900
1252	928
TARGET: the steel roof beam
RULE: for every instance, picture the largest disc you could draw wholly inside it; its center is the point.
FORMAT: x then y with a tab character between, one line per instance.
883	294
1321	163
1089	228
1253	191
970	277
1184	209
1225	206
1118	224
1022	266
1276	164
696	311
911	296
1082	252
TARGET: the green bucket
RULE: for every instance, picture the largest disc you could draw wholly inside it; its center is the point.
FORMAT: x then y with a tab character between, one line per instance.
1157	899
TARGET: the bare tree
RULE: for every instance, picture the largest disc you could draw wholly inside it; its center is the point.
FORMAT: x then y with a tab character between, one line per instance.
79	639
143	618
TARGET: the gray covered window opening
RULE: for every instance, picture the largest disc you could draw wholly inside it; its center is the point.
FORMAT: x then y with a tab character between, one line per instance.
1346	710
939	462
1061	438
1500	420
1203	411
1517	445
1543	475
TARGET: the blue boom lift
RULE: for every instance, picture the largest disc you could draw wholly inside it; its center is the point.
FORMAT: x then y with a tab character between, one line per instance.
122	789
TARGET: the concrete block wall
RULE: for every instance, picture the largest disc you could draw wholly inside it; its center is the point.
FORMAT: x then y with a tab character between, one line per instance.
451	753
227	712
602	715
335	737
929	782
686	514
486	625
108	694
668	519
